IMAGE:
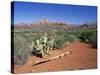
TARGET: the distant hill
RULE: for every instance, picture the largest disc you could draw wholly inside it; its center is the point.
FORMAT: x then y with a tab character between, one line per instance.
90	25
41	25
44	25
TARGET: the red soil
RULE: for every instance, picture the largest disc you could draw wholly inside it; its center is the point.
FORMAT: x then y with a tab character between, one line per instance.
82	57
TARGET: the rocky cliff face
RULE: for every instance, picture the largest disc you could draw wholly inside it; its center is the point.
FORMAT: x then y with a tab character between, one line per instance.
43	24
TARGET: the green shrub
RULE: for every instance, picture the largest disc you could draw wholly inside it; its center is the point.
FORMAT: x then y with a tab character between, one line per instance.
89	36
63	37
85	35
93	40
21	50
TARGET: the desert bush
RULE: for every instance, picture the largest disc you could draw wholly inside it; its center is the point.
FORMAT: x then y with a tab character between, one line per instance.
93	40
63	37
85	35
89	36
21	50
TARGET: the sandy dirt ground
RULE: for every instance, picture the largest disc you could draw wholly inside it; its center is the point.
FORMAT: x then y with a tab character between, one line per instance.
82	56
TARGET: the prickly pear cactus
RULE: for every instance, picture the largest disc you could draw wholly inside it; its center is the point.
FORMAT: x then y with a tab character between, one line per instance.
43	44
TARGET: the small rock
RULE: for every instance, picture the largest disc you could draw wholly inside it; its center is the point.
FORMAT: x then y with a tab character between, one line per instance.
33	70
69	52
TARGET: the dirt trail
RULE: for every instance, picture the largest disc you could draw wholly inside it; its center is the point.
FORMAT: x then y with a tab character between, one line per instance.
82	57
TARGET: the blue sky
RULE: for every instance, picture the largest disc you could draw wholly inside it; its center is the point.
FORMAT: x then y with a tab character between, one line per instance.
27	12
